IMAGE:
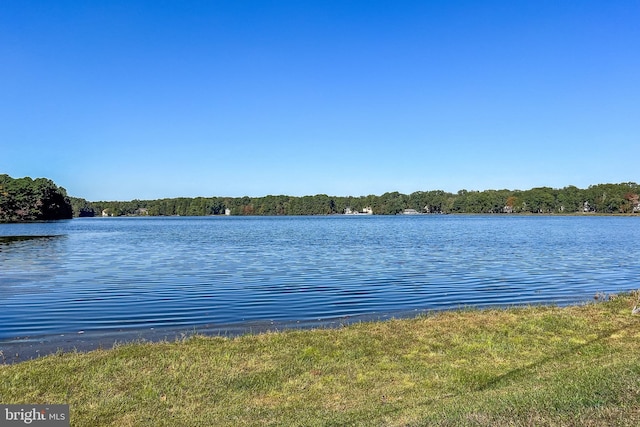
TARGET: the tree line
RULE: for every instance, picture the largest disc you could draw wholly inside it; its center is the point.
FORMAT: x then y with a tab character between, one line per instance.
26	199
601	198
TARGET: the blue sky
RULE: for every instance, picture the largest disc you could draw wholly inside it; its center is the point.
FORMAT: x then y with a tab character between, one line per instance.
132	99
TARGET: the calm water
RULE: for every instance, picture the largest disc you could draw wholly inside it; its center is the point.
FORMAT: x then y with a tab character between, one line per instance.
107	274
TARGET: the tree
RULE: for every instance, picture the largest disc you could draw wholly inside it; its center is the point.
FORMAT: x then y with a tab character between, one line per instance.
570	199
25	199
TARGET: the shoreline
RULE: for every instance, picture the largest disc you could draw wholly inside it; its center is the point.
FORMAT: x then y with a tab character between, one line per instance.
22	349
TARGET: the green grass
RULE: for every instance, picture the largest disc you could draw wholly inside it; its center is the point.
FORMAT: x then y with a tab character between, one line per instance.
536	366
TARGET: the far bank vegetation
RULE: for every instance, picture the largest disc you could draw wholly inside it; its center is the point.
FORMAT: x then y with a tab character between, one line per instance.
607	199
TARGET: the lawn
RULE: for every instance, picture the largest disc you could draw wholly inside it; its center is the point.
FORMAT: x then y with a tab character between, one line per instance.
532	366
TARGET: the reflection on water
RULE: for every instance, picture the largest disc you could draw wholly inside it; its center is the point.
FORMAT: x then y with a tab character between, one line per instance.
6	240
125	273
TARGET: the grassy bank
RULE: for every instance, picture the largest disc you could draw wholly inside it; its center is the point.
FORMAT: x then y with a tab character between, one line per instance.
537	366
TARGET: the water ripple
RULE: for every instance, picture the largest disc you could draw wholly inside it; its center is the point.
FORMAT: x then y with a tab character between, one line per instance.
136	273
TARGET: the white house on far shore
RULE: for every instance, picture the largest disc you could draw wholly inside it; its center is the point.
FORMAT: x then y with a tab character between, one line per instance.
365	211
410	212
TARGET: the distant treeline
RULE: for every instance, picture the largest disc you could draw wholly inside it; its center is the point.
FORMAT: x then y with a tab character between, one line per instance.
602	198
26	199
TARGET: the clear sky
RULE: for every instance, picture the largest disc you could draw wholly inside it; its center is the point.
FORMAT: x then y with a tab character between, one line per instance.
117	100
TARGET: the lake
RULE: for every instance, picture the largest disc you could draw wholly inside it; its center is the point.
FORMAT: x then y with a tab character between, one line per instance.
219	273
